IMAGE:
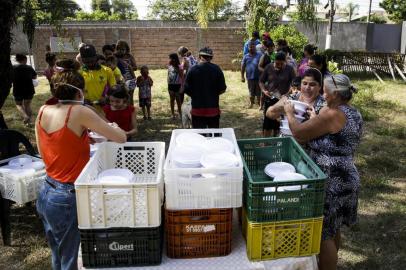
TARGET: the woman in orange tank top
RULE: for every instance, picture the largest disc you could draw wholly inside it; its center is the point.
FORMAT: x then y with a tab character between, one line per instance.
62	140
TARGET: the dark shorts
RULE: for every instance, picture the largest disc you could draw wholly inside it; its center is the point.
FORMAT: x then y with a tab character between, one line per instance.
269	124
20	98
205	122
174	88
145	102
253	87
3	96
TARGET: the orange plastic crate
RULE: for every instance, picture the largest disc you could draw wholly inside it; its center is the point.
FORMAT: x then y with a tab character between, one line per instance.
198	233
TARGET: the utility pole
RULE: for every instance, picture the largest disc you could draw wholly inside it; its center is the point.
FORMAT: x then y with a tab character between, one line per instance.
369	13
330	25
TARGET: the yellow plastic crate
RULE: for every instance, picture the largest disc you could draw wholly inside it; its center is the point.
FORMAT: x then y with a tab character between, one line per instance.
272	240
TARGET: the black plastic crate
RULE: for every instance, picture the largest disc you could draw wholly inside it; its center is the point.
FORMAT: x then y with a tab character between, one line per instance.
120	247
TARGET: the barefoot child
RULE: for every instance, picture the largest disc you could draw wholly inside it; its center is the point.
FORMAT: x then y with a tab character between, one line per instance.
144	82
175	83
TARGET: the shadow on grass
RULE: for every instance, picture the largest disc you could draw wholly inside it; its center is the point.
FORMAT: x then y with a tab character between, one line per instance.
29	248
381	151
379	240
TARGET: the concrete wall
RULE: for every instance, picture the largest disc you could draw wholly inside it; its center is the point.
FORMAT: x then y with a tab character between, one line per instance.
346	36
152	41
384	38
20	42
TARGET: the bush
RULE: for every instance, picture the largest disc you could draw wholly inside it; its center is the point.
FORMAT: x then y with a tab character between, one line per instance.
96	15
333	67
295	39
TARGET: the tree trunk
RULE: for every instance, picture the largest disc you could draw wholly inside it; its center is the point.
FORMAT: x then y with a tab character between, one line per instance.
8	11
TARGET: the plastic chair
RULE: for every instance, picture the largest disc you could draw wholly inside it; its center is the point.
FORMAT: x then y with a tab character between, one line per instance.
10	147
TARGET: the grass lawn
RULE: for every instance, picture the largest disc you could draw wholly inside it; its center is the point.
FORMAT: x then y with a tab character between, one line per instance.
376	242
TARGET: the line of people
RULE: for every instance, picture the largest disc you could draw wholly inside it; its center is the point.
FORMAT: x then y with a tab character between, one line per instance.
271	72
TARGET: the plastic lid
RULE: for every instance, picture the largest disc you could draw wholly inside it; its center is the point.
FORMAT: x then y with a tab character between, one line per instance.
287	176
275	168
218	145
190	139
115	176
219	160
187	154
19	162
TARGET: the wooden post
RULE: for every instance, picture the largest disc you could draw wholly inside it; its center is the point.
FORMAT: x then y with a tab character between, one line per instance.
379	78
391	69
400	72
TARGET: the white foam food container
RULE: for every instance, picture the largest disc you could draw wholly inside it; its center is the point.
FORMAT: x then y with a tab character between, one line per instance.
201	188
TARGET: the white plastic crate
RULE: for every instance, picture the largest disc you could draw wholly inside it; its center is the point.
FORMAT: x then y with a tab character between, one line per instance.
187	188
133	205
21	189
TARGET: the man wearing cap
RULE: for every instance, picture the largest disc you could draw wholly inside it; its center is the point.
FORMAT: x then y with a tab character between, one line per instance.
98	78
204	84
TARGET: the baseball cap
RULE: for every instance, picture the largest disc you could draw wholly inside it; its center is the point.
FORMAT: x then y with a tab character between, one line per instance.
88	51
206	51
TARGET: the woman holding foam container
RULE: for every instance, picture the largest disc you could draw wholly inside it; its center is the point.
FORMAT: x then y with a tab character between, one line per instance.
309	94
63	142
332	136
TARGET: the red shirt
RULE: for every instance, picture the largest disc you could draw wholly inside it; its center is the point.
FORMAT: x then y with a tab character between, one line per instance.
63	152
121	117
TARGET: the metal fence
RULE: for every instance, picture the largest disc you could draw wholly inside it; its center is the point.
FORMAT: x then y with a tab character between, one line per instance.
369	62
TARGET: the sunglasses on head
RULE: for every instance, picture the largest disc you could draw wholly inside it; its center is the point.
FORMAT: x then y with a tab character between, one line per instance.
334	81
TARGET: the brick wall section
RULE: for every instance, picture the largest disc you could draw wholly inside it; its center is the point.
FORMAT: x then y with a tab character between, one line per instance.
151	45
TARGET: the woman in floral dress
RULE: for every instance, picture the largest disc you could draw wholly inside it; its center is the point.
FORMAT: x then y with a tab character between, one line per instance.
333	135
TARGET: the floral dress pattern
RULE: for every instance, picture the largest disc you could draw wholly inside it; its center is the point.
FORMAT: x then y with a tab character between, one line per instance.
334	154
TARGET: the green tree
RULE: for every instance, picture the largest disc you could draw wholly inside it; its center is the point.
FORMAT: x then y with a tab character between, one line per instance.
29	19
173	10
351	8
96	15
53	10
189	10
205	7
307	13
262	15
33	12
395	8
295	39
103	5
374	19
124	9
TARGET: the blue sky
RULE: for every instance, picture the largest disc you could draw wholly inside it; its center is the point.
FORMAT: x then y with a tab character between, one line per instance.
142	5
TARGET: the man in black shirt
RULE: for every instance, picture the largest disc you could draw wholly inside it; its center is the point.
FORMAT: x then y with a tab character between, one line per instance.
23	87
204	84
